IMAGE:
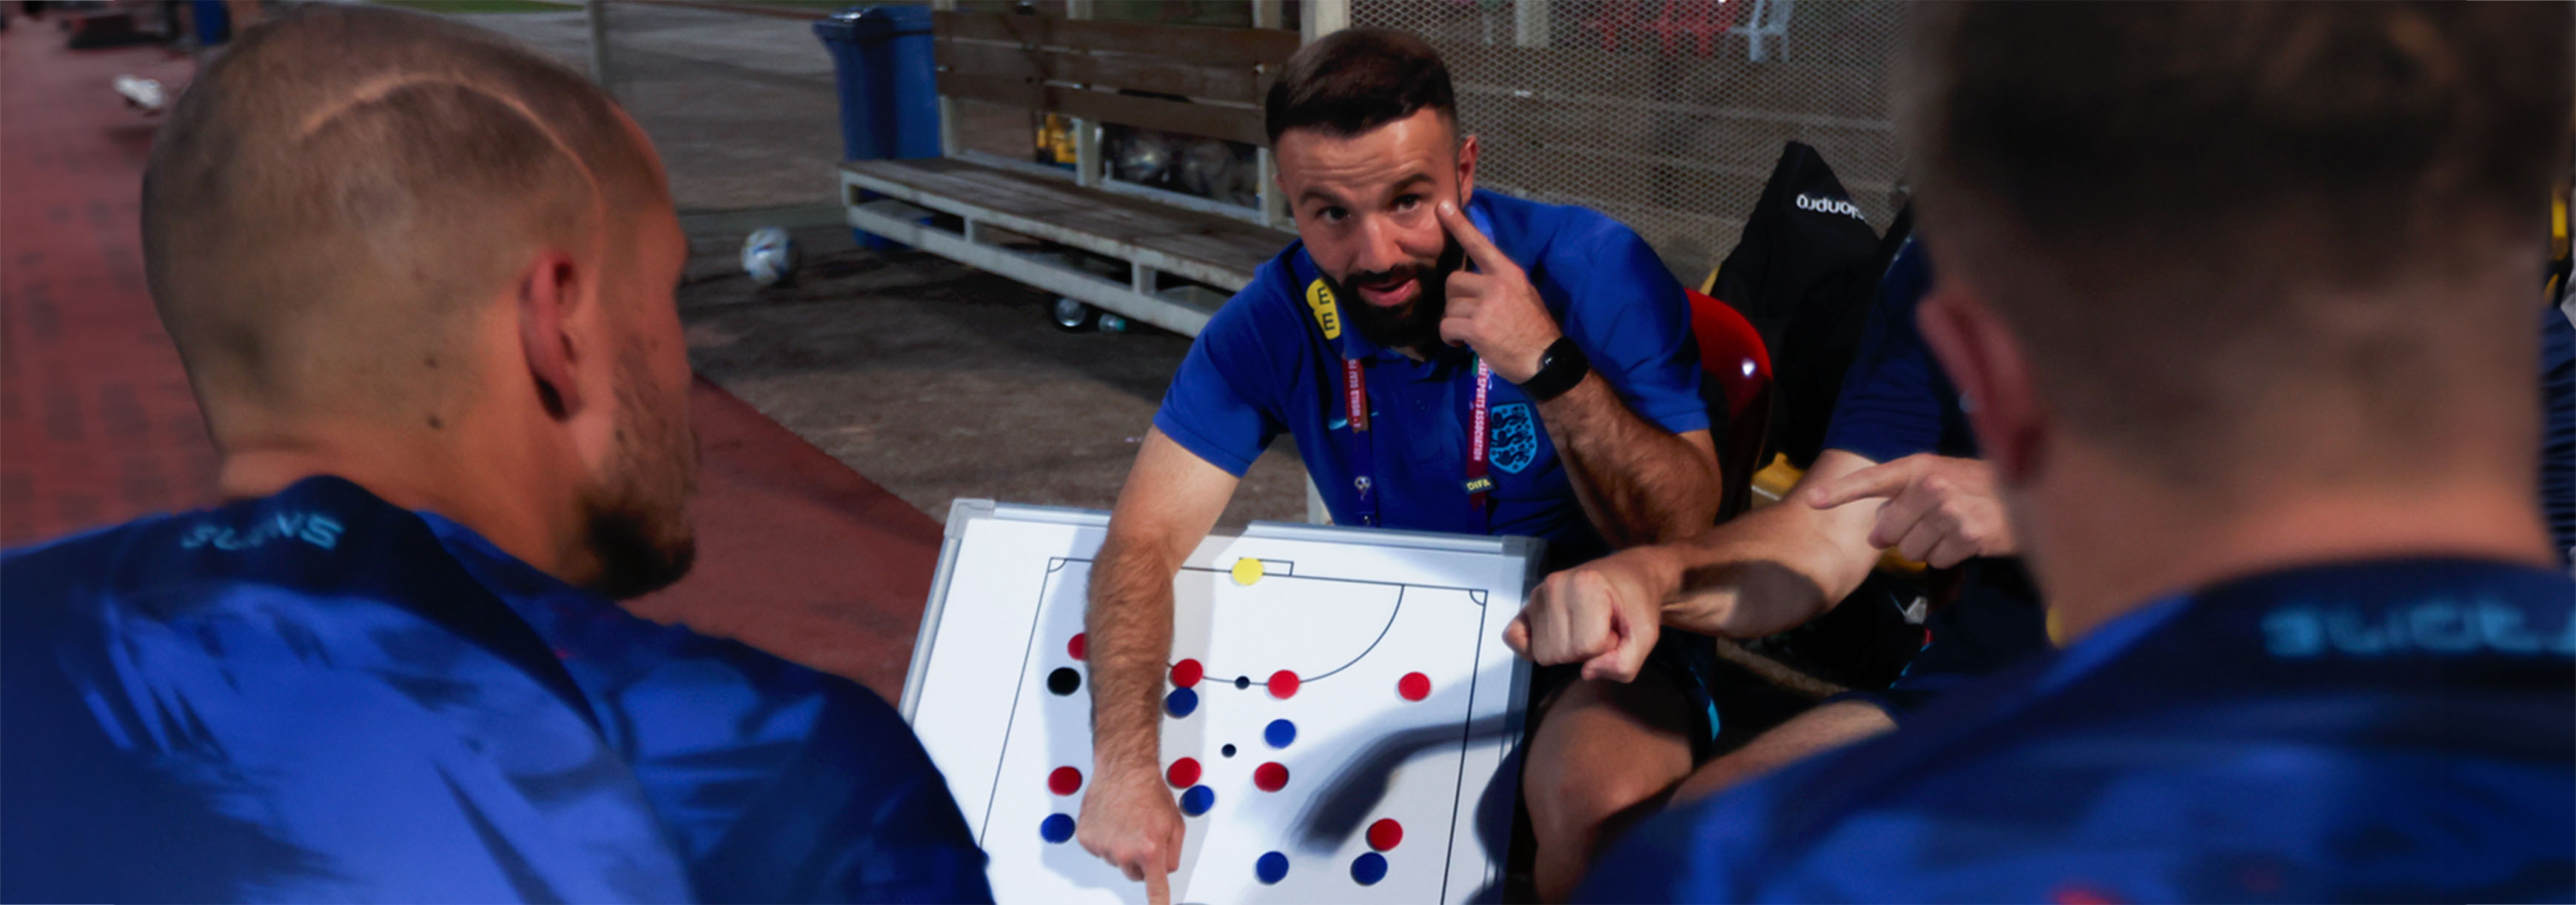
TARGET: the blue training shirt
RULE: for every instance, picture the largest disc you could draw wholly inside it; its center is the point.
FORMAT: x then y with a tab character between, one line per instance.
318	696
1895	402
1265	365
2368	731
2558	428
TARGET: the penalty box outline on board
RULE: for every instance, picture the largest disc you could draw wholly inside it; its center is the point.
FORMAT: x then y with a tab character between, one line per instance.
1056	564
962	511
1475	597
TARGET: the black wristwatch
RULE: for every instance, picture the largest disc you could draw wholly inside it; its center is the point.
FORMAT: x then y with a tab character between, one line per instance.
1559	369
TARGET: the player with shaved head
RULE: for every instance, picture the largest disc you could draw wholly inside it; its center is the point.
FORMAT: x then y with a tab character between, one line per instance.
421	280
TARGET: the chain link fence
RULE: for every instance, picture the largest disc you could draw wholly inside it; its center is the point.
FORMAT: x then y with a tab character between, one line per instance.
740	101
1666	114
738	97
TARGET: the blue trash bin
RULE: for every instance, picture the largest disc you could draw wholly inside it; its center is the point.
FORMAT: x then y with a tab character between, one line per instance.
910	57
214	22
883	65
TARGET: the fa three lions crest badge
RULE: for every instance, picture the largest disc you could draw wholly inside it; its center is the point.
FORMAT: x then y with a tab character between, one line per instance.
1515	437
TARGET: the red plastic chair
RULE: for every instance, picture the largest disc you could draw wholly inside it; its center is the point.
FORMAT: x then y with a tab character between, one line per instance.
1739	367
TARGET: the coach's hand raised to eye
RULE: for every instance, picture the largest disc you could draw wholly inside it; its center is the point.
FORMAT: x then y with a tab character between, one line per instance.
1940	510
1493	308
1605	614
1129	820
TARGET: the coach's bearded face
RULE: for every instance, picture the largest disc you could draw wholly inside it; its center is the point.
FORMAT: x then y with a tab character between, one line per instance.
1364	204
1422	287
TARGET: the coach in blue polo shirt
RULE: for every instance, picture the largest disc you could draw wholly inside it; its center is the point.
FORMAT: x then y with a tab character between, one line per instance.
1446	359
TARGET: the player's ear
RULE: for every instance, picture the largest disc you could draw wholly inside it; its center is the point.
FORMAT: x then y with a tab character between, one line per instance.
1985	361
547	292
1466	170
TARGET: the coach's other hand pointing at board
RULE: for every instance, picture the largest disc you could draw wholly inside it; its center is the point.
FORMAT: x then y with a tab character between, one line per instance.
1134	825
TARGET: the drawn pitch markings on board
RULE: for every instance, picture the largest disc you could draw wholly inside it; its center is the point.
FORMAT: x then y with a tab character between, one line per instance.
1278	679
1366	692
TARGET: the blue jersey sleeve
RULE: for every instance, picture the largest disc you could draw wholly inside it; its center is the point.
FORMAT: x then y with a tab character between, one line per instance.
1688	853
2558	428
1627	312
2224	745
894	836
1223	404
1894	401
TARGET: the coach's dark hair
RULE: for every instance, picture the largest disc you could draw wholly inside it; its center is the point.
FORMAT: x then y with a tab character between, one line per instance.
1359	79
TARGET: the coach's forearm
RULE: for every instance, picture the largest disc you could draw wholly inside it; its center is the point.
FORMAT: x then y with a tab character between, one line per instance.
1770	569
1129	623
1640	483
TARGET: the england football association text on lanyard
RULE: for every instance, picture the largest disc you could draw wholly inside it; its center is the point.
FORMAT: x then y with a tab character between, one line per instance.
1355	410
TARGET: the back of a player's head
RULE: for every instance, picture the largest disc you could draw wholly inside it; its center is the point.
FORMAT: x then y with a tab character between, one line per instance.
2211	223
332	201
1355	80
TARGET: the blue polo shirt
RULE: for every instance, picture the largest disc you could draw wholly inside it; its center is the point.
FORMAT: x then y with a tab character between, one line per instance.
320	697
1895	402
2558	428
1271	362
2392	730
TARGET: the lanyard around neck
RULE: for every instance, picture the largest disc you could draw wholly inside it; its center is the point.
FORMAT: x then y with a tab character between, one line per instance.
1362	454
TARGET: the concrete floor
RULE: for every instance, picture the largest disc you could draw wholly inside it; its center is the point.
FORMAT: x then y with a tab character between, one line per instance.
932	379
939	381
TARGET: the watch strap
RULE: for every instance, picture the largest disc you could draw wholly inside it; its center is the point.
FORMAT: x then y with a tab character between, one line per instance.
1560	368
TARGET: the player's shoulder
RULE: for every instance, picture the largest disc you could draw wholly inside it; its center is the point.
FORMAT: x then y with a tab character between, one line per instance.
824	744
2125	815
846	717
1270	324
2181	815
88	569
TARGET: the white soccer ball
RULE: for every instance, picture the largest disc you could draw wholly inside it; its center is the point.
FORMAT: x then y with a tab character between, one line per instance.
769	256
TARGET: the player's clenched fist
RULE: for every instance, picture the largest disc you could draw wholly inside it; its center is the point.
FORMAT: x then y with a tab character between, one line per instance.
1128	819
1494	309
1605	614
1940	510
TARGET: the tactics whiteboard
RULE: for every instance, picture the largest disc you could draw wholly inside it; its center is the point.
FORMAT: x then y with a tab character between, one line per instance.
1341	716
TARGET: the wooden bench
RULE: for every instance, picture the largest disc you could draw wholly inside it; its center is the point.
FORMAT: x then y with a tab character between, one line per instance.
1077	68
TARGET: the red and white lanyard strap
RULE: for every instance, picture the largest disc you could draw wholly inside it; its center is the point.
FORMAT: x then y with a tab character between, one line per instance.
1480	485
1355	411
